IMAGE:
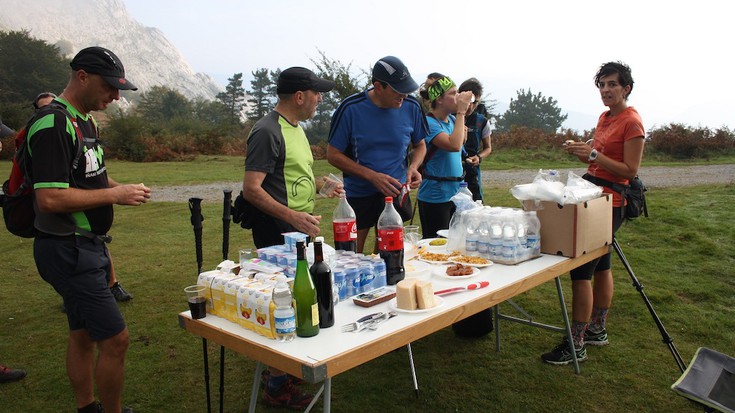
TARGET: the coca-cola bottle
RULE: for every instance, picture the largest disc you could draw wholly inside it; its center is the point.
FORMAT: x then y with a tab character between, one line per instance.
321	275
345	226
390	242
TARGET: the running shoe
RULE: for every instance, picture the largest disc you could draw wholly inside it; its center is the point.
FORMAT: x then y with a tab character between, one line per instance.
561	355
596	339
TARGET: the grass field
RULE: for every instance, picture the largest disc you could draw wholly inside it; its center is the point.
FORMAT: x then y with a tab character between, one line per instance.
683	255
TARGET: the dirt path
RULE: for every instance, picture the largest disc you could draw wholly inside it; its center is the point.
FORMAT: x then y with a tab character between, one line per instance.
654	177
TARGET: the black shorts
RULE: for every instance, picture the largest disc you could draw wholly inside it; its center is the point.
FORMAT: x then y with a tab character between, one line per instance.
586	271
267	229
368	209
78	268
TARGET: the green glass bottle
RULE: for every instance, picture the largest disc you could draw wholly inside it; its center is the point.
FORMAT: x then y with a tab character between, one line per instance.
304	293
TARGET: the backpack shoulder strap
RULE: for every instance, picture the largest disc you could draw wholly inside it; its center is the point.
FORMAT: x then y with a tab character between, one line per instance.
56	107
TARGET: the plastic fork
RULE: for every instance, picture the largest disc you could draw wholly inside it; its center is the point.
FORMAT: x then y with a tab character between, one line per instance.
362	322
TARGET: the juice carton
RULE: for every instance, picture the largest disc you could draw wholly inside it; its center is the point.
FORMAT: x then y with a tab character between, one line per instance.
230	300
206	279
261	303
245	309
218	292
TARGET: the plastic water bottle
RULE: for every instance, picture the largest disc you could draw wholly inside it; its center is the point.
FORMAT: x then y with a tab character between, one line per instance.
521	228
483	243
496	238
463	189
284	315
471	237
510	239
533	233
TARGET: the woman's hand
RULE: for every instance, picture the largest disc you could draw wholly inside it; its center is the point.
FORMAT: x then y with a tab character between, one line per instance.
463	101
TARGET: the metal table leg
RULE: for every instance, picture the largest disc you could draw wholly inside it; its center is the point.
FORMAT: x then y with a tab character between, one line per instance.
567	325
413	370
259	367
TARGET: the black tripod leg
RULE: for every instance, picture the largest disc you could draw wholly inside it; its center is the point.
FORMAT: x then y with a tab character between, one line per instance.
206	375
664	334
221	379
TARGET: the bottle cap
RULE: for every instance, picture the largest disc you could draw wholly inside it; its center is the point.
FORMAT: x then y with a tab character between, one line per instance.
319	239
389	199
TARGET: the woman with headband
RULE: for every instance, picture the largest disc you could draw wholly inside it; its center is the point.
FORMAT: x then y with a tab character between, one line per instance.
442	171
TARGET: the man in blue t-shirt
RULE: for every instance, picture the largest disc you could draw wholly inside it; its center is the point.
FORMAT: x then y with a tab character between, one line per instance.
369	138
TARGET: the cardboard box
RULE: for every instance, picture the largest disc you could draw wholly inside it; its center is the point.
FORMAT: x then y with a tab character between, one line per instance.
574	229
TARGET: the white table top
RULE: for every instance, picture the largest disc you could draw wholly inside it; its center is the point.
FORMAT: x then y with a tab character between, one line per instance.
310	357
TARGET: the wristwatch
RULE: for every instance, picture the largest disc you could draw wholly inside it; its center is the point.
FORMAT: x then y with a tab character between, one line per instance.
593	155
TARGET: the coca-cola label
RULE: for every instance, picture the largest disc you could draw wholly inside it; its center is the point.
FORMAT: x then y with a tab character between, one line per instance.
390	239
345	231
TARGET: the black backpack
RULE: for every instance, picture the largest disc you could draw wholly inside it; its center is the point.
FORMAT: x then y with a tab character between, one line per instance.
17	196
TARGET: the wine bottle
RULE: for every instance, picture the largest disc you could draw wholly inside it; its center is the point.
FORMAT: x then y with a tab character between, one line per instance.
304	292
321	275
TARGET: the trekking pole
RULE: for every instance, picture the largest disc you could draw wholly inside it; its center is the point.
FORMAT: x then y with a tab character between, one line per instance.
226	218
195	206
664	334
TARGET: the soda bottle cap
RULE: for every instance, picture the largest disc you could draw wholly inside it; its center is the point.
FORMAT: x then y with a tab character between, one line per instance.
389	199
319	239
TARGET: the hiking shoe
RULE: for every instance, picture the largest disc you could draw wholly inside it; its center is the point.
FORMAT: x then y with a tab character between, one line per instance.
120	294
287	396
596	339
561	355
7	374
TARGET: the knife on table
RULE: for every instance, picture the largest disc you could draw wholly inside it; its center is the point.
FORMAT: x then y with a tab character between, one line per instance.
473	286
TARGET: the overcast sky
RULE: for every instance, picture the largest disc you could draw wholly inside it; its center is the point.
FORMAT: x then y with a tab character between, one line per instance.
681	52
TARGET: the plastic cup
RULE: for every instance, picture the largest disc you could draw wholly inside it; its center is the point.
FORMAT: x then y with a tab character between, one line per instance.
411	239
331	182
197	301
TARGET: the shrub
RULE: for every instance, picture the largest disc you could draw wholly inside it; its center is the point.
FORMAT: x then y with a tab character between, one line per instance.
685	142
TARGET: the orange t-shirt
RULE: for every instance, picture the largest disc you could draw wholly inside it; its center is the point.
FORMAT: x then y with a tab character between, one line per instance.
610	136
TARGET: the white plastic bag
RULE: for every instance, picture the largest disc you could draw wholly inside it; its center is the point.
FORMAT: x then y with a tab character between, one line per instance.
579	190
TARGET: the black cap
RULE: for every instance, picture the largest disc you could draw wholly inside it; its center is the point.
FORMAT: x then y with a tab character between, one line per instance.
100	61
296	79
392	71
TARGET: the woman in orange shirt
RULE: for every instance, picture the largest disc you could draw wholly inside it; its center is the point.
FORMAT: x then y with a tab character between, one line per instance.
614	154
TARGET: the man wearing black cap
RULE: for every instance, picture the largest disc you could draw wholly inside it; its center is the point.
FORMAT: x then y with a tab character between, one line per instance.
369	139
280	184
74	211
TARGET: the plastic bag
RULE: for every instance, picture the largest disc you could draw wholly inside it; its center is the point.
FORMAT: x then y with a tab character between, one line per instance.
463	201
458	227
579	190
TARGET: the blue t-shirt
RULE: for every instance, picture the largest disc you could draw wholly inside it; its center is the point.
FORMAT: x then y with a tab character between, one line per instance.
376	138
442	164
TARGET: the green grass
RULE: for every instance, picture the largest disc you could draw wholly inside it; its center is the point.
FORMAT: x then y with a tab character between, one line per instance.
683	255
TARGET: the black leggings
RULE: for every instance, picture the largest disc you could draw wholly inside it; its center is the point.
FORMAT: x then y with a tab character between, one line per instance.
434	217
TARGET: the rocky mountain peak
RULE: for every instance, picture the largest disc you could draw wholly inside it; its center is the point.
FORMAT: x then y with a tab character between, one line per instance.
149	58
